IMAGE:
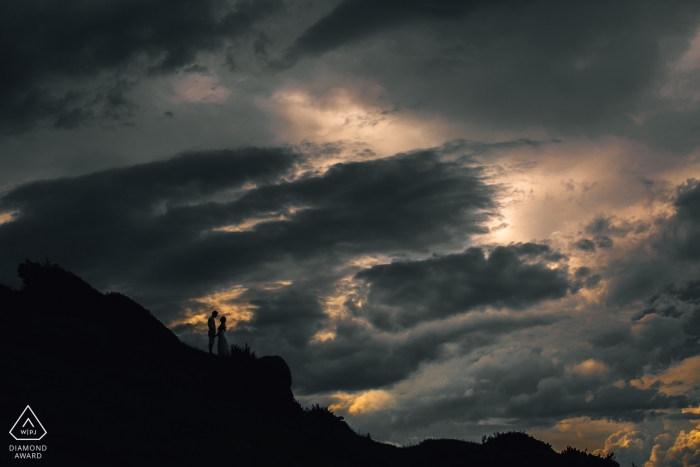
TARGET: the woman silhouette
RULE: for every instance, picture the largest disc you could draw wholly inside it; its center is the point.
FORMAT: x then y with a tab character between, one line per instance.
224	349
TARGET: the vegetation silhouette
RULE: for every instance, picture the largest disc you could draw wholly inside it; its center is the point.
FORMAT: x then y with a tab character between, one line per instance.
114	386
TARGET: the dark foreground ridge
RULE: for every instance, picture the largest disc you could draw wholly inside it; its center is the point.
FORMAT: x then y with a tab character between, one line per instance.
113	386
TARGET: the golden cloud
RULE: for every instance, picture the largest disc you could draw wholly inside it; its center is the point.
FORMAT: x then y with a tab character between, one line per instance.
6	217
365	402
681	378
227	302
582	432
589	368
685	452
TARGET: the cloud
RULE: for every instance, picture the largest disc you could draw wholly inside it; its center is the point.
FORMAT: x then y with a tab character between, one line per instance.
603	226
120	217
354	20
195	87
659	250
290	318
585	245
553	399
449	57
582	272
404	293
684	452
589	367
628	445
679	378
684	230
584	280
603	241
681	87
49	68
678	307
362	358
506	384
367	401
246	218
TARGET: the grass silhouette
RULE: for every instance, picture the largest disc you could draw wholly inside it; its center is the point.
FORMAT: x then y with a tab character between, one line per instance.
243	353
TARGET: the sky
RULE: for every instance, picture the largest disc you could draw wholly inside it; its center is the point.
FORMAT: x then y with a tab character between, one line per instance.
449	217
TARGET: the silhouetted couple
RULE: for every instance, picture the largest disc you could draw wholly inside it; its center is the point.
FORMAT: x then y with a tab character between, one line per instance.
221	334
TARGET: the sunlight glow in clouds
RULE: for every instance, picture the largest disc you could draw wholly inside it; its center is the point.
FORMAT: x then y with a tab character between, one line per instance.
552	191
227	302
580	431
681	378
365	402
6	217
345	114
249	224
589	367
684	452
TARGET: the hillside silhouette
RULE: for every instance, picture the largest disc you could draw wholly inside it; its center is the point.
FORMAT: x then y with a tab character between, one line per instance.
113	386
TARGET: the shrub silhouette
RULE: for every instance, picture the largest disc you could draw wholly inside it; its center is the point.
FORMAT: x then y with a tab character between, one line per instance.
575	458
243	354
322	412
517	441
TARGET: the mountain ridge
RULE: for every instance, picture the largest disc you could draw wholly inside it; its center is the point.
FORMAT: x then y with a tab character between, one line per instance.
114	386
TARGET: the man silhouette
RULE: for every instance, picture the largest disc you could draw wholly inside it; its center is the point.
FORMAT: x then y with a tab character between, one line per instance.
212	329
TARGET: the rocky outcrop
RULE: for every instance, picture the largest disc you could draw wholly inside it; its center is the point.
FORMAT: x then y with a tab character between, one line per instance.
276	371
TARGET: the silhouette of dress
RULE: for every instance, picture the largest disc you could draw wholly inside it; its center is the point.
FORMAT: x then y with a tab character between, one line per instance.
224	348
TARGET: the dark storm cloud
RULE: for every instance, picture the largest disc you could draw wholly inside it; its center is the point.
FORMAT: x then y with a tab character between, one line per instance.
669	253
152	224
582	272
552	399
404	293
585	245
531	389
147	230
514	64
612	338
603	241
680	303
527	390
655	344
354	20
361	358
581	67
665	332
584	280
48	44
110	222
387	205
289	319
138	187
611	227
684	230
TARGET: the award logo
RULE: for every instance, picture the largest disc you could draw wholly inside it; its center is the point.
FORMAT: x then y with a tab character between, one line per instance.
28	428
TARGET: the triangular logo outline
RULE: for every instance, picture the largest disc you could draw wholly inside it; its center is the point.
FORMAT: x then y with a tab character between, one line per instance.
25	417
